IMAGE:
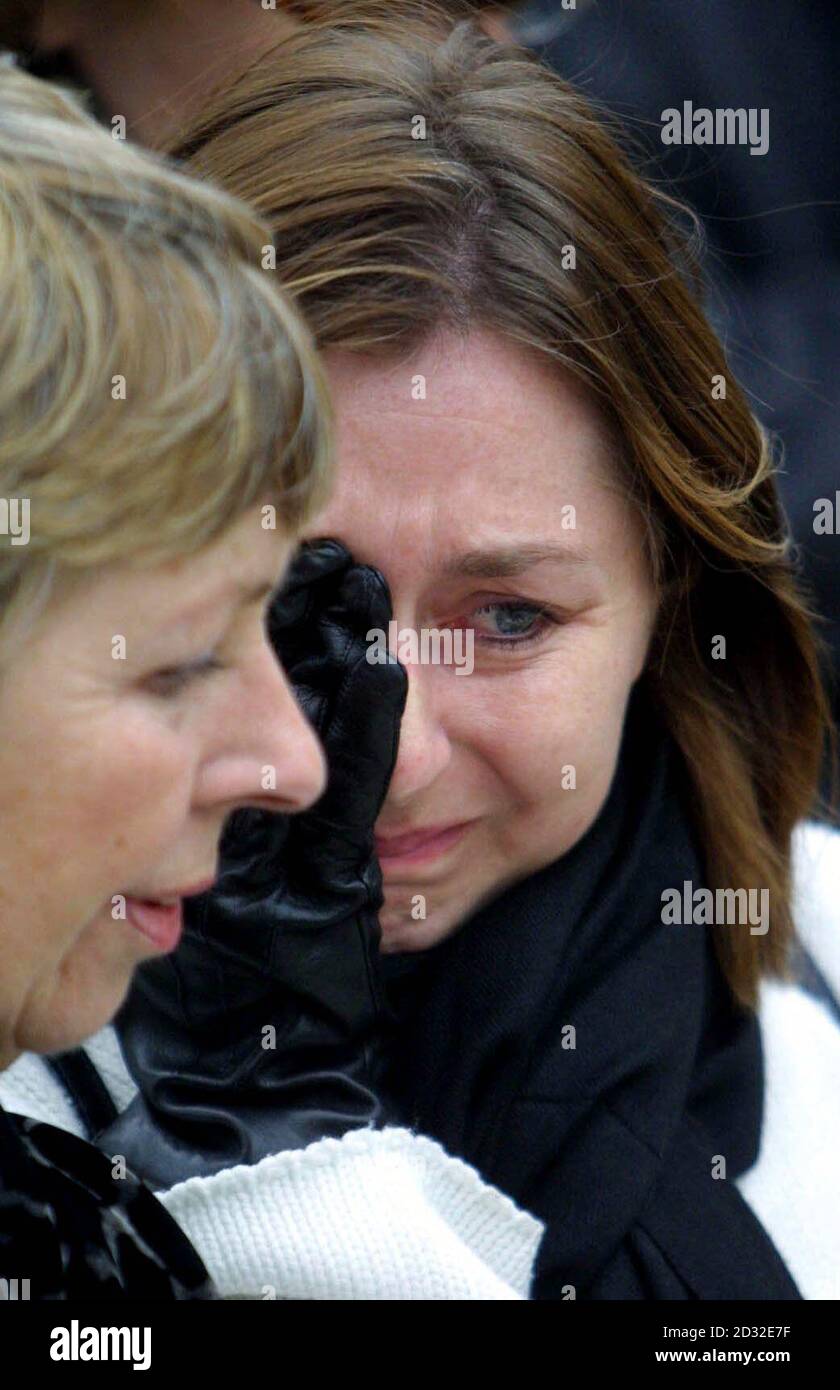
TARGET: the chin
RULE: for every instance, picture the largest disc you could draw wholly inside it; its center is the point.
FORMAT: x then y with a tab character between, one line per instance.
402	932
83	1001
72	1027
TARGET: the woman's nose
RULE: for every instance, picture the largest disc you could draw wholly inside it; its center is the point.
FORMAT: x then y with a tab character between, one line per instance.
270	755
424	748
295	756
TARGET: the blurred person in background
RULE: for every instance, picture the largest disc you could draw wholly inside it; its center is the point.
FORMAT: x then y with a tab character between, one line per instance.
155	61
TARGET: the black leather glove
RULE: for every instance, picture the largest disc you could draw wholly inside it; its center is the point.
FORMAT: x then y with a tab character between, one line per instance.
265	1029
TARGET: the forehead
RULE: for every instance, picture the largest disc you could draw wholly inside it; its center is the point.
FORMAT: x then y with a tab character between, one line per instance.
246	561
476	438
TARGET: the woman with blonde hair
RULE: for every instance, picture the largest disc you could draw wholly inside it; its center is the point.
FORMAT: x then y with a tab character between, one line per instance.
158	398
587	843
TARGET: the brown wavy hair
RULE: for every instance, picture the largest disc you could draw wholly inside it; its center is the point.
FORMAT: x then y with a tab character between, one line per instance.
383	239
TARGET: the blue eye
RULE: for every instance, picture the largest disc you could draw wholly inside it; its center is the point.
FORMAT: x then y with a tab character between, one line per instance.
517	623
171	680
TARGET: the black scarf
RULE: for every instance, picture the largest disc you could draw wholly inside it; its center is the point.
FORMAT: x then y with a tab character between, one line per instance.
73	1229
614	1142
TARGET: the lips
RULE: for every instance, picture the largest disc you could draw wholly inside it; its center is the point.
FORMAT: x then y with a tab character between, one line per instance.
161	919
160	923
417	845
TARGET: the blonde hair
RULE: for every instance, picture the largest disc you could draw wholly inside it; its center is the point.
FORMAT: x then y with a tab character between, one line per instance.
383	239
154	382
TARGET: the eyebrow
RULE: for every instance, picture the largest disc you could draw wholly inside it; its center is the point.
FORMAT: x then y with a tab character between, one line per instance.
505	561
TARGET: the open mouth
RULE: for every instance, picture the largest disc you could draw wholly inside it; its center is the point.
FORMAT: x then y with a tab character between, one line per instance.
160	923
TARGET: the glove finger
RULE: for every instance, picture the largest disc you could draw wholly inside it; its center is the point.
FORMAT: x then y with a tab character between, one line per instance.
347	622
301	640
361	745
364	597
360	733
315	569
348	625
314	562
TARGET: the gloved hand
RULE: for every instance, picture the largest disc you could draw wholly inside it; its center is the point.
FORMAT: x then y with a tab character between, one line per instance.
265	1029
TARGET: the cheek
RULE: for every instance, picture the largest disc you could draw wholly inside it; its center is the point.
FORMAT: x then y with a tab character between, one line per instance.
102	799
549	735
139	794
78	992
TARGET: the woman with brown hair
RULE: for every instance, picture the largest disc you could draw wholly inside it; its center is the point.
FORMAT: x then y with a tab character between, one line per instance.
586	843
